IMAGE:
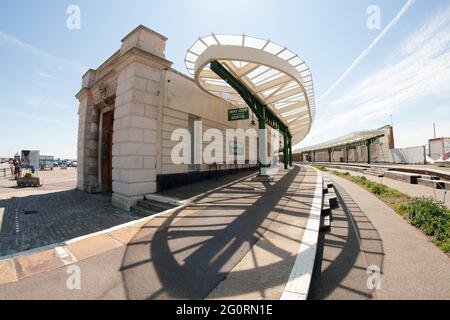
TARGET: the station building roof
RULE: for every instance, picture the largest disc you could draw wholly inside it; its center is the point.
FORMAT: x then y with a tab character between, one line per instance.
278	77
351	138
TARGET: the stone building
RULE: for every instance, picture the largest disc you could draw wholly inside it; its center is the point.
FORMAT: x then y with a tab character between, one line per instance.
129	106
133	103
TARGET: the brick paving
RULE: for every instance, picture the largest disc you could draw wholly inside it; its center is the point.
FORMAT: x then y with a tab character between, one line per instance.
56	212
64	213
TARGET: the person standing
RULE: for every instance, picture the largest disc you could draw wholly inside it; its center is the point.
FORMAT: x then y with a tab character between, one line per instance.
11	167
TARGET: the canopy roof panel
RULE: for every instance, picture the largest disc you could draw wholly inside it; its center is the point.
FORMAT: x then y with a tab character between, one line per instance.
352	138
276	76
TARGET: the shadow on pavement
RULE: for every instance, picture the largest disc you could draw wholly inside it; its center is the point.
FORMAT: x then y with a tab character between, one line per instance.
341	262
187	254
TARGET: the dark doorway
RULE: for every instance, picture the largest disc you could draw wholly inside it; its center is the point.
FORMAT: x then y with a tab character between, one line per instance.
106	151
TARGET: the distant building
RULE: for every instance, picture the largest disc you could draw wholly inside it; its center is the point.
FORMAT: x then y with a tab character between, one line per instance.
438	148
371	146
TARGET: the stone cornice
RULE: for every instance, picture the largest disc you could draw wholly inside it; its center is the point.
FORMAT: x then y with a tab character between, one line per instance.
82	94
142	27
138	55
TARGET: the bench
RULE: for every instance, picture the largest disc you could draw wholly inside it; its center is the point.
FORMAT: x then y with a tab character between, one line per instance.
410	178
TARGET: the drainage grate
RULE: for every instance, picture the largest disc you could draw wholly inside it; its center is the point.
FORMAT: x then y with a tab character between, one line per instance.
30	212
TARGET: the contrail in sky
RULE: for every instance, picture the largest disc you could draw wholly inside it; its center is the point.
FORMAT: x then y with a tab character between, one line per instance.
358	60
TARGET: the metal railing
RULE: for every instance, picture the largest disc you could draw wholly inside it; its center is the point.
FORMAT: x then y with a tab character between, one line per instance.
5	172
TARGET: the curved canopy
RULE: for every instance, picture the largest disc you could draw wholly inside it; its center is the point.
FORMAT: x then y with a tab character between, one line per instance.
276	76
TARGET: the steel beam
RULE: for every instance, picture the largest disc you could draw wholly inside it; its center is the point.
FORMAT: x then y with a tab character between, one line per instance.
261	110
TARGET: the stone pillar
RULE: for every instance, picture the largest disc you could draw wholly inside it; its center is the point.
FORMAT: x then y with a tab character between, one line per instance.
263	149
87	150
138	97
285	151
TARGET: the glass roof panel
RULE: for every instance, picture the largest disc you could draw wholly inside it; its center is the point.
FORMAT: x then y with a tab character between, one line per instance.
257	72
190	65
230	40
273	48
265	75
210	41
305	73
296	97
198	47
291	86
273	77
286	55
254	42
270	91
295	61
191	57
302	67
290	113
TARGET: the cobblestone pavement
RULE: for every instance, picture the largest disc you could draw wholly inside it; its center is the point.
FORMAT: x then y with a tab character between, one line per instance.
35	217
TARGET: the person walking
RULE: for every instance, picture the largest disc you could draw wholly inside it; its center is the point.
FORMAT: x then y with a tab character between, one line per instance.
16	169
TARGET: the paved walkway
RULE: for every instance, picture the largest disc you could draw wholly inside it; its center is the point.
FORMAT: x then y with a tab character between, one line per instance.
265	269
35	217
414	190
340	266
367	232
186	253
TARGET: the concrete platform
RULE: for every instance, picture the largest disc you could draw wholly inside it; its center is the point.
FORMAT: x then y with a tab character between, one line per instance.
413	190
435	184
186	252
370	233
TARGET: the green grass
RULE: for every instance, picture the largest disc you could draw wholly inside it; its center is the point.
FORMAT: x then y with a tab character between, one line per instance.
427	214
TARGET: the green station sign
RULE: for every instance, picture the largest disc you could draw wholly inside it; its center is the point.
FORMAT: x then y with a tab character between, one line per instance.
238	114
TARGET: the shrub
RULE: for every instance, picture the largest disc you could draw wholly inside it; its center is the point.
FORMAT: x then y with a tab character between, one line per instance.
378	189
321	168
28	175
427	214
341	174
433	218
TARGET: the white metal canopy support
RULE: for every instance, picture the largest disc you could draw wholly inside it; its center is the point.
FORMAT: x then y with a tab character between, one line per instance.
273	74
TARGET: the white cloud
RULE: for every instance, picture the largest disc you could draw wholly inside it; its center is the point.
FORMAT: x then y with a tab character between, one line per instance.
420	72
35	117
45	101
415	133
361	57
44	75
57	61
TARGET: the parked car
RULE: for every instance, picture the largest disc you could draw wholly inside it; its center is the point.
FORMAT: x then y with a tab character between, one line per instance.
74	164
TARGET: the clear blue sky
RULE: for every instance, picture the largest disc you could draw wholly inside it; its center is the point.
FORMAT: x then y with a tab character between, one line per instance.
406	73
